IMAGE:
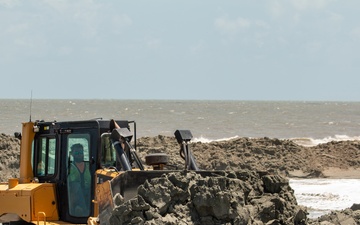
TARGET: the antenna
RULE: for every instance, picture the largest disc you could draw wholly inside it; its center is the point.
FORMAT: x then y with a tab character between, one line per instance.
30	105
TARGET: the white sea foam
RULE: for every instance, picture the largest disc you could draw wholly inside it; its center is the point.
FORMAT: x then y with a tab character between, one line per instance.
320	196
313	142
335	138
307	142
207	140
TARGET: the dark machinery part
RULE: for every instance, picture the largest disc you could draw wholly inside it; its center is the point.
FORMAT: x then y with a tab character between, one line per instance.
124	135
134	155
157	160
116	139
125	164
184	137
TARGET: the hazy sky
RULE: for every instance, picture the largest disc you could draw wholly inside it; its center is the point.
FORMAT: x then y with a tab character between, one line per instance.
231	50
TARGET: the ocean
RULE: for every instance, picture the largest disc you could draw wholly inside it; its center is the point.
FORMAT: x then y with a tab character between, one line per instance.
306	122
321	196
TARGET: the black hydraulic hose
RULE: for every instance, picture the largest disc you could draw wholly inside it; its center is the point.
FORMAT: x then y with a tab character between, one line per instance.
125	164
135	156
193	165
186	157
190	163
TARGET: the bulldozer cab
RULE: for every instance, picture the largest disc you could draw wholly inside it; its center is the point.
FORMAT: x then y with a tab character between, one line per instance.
68	154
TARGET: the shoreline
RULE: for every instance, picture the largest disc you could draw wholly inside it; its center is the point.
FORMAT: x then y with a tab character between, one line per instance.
329	173
336	173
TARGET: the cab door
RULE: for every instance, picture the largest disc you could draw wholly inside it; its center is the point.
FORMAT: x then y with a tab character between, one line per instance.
78	169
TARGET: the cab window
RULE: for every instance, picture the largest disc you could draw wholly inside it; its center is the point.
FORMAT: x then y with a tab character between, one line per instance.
108	153
46	156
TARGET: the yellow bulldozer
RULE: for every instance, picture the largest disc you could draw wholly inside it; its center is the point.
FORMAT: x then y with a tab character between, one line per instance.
71	170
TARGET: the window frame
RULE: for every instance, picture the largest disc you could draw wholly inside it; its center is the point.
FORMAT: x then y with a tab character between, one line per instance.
44	156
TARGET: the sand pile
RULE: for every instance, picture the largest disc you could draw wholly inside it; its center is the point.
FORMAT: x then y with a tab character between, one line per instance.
264	154
242	197
9	157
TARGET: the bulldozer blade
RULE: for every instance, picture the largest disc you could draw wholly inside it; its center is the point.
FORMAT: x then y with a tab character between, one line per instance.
127	184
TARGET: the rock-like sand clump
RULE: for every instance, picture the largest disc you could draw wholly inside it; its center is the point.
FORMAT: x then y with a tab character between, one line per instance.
242	197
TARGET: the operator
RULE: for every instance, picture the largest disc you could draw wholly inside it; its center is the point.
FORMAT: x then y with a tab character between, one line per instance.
79	183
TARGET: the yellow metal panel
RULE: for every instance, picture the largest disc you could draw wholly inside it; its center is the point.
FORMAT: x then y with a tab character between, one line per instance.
19	205
104	196
3	187
104	200
51	223
44	201
23	189
108	172
27	200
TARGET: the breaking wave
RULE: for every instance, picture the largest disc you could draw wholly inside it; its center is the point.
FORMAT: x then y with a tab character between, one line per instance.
207	140
308	142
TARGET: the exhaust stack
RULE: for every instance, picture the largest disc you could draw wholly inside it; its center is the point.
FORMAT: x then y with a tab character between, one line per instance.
27	137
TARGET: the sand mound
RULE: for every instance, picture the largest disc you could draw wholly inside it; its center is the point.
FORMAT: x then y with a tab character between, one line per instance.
242	197
9	157
264	154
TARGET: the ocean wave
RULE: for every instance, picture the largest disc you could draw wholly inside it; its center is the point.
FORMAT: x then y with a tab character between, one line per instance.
308	142
304	141
207	140
320	196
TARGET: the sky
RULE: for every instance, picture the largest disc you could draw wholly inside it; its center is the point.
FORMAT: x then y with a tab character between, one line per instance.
306	50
